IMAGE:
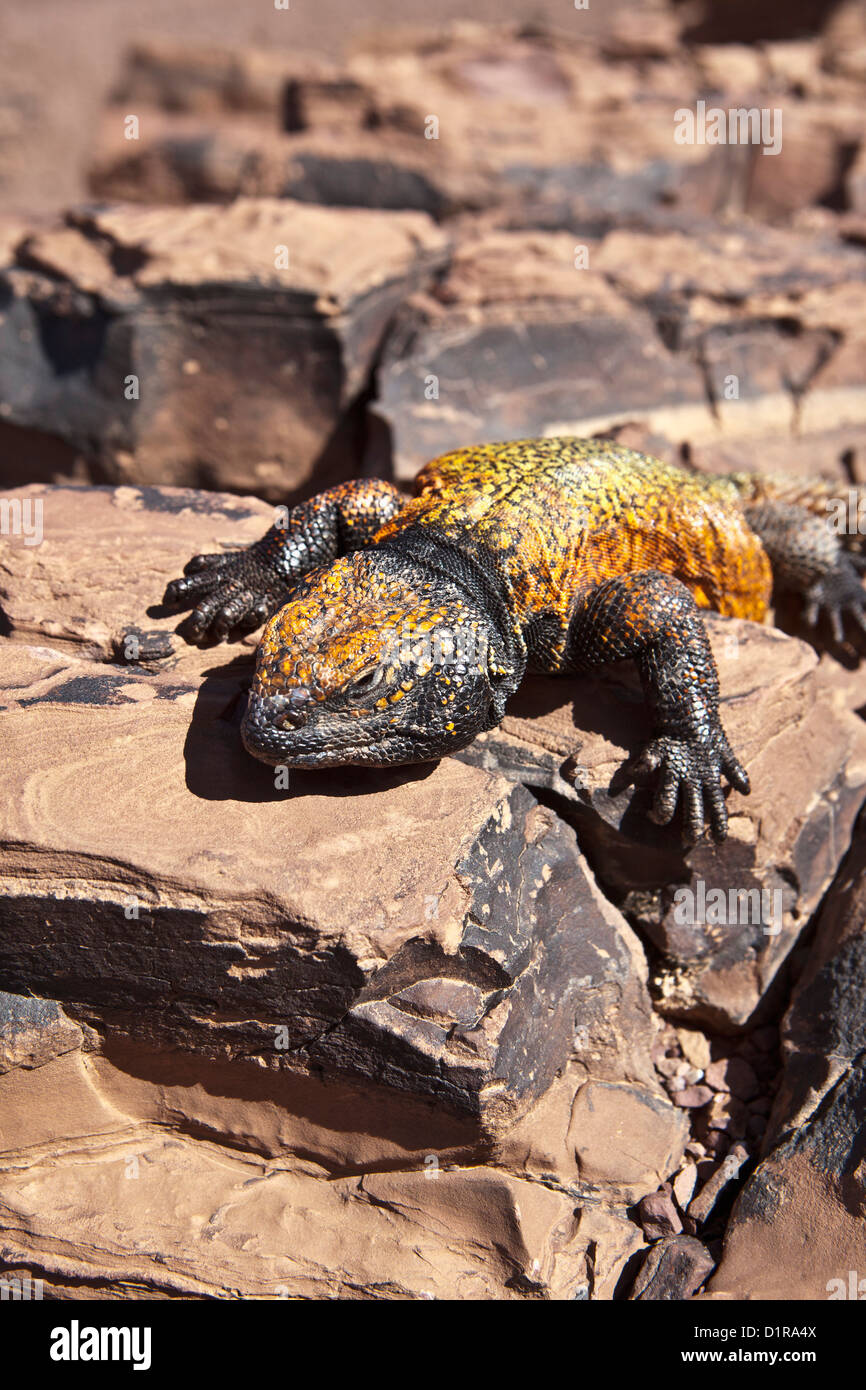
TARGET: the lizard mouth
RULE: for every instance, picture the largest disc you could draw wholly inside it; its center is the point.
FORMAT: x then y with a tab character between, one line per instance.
269	732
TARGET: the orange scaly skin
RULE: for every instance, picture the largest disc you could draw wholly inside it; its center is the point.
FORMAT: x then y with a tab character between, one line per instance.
400	627
563	515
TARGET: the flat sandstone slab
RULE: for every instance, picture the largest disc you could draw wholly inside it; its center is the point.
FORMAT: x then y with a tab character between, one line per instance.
433	931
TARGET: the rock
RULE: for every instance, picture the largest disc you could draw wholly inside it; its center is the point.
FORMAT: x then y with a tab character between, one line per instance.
796	1230
575	129
658	1216
157	1216
423	983
192	159
191	1205
735	1075
690	1075
693	1097
612	1244
218	123
622	1133
577	141
210	78
806	756
33	1032
202	344
673	1269
700	1207
683	1184
824	1030
779	340
732	67
806	169
726	1113
802	1210
668	1066
77	592
518	342
695	1048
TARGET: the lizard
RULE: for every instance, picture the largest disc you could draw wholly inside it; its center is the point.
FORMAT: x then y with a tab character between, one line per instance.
555	554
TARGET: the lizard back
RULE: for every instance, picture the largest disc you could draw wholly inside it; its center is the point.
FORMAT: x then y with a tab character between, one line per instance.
560	516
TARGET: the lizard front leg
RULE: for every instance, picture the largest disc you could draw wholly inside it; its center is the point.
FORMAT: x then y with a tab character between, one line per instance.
239	590
652	618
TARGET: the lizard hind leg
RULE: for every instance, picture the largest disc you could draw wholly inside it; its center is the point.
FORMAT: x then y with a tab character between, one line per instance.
809	560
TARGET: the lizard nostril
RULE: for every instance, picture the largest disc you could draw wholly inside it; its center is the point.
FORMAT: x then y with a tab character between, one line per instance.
293	707
277	711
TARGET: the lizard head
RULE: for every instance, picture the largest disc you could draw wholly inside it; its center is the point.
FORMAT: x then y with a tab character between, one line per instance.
371	663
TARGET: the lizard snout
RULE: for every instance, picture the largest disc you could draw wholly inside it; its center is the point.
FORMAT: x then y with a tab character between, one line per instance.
267	717
290	709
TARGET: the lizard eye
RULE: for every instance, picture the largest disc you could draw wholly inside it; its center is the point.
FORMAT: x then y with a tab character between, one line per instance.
369	681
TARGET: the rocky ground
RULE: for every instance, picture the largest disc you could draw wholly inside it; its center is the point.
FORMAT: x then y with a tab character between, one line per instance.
438	1032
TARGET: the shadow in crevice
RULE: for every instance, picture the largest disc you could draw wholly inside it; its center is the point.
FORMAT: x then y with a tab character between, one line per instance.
320	1115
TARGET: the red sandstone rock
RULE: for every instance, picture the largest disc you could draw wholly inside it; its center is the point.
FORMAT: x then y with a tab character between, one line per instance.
226	346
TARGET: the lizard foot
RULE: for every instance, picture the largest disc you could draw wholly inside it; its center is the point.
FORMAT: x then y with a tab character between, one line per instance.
690	773
837	595
229	593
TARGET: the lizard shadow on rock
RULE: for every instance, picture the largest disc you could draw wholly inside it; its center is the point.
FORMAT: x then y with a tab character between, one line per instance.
220	769
610	706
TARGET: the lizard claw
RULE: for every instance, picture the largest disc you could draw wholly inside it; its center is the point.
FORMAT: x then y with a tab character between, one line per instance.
229	593
690	773
837	595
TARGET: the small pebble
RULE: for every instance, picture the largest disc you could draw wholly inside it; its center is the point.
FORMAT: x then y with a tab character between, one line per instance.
691	1075
692	1097
684	1185
668	1066
735	1075
727	1113
695	1047
658	1216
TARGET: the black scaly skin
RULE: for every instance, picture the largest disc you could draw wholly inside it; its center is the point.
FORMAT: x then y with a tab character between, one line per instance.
239	590
808	560
561	554
679	678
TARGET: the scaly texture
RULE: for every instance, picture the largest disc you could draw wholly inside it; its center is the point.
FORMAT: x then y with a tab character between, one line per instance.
400	626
